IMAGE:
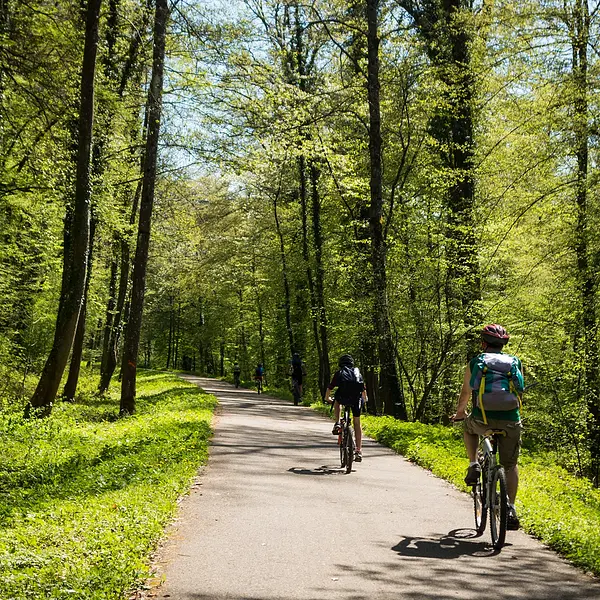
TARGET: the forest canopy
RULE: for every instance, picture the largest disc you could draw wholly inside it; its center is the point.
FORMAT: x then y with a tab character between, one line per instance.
378	177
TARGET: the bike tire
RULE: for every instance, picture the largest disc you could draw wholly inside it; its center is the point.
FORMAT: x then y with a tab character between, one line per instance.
479	504
342	445
349	450
498	508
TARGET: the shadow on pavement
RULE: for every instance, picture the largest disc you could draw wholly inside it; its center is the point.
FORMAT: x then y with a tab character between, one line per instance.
324	470
446	546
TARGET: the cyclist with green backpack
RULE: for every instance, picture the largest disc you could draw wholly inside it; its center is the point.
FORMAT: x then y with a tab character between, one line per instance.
493	381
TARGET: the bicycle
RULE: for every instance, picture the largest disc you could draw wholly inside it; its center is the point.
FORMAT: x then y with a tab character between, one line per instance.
236	380
259	384
346	440
296	392
490	492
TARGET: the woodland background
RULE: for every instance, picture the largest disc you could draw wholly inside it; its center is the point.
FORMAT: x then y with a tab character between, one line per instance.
377	177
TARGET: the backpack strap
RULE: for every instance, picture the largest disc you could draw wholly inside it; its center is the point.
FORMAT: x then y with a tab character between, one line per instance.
481	391
513	389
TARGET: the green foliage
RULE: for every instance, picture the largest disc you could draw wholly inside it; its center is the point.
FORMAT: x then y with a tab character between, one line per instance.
86	495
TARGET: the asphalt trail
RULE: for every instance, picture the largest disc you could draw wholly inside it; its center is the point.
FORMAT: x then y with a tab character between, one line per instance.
272	517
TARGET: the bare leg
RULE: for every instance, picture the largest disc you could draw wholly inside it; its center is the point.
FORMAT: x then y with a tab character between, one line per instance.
336	411
471	443
358	434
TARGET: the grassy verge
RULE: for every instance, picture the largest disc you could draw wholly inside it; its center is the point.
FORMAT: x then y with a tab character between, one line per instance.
561	510
84	496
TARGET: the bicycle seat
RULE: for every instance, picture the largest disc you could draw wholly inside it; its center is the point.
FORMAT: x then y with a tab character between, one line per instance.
494	432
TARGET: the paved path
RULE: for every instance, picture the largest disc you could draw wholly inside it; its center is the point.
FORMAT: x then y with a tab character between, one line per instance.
274	518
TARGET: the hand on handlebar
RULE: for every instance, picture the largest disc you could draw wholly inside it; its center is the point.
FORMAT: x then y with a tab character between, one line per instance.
459	415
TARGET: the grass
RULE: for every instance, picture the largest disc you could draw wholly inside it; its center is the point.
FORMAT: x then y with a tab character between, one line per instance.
85	496
561	510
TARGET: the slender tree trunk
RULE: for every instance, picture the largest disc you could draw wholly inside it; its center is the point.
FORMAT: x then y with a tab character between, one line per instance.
132	334
286	285
77	352
121	243
586	272
222	359
76	259
108	321
325	369
177	336
170	342
259	309
390	390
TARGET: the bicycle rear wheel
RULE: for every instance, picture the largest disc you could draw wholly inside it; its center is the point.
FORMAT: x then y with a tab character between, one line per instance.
342	445
479	504
296	393
349	449
498	508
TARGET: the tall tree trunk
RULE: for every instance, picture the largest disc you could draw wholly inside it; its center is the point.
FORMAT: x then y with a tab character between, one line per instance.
314	312
77	352
132	333
170	341
177	336
108	321
325	369
284	275
390	391
586	272
76	259
120	316
463	246
259	308
447	33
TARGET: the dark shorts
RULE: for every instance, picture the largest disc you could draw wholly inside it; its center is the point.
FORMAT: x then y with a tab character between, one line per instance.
297	379
355	406
509	446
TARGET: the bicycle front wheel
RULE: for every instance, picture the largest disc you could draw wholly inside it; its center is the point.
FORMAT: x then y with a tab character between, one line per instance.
479	504
349	449
342	445
498	508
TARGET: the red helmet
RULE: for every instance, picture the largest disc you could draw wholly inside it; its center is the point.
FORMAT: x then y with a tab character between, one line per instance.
495	335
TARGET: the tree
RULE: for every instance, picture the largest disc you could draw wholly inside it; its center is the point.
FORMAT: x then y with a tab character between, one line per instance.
132	332
76	228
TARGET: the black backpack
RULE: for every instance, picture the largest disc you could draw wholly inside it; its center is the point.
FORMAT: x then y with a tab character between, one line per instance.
350	385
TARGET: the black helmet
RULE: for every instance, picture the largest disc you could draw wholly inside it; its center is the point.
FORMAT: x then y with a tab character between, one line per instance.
494	335
346	360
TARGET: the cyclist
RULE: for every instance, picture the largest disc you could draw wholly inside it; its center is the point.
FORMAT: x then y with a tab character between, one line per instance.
494	382
297	371
350	391
236	374
259	373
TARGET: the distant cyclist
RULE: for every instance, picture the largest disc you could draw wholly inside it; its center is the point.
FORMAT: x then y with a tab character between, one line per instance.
350	391
236	374
259	374
494	382
297	371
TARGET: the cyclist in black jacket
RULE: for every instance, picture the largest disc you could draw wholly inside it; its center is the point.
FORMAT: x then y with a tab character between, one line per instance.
350	391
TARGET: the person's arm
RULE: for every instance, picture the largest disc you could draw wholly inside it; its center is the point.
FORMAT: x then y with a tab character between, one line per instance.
329	388
464	397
